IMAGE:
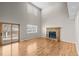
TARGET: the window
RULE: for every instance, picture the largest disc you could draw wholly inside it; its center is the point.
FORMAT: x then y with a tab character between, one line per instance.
31	28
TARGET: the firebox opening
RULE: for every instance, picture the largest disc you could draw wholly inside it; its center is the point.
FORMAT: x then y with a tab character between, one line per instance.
52	35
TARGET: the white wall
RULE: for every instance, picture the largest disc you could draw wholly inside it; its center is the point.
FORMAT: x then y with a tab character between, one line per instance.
17	12
53	16
57	16
77	31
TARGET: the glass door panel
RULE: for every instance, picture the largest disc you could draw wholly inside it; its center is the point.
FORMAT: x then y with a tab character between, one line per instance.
6	33
0	34
15	31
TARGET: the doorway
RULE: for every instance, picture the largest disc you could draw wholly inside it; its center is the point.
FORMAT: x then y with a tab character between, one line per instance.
9	33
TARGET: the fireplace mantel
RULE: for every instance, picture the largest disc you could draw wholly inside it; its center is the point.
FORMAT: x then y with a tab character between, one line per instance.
53	29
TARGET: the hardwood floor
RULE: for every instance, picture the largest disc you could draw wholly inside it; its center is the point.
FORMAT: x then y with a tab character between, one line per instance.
39	47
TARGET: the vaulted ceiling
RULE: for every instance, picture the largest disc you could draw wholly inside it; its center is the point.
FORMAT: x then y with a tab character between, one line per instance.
44	5
72	9
71	6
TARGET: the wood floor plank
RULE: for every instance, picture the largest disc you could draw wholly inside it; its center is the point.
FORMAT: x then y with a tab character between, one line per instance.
39	47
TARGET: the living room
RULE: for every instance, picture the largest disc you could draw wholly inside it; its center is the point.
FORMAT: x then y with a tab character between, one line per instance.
39	23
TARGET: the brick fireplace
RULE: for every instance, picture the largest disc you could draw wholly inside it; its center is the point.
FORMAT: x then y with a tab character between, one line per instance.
53	33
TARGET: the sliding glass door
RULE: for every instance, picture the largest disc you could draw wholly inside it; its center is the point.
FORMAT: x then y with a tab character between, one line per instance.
6	33
0	33
15	33
9	33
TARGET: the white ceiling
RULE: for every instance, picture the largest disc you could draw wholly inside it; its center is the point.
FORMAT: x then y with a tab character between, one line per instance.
72	7
44	5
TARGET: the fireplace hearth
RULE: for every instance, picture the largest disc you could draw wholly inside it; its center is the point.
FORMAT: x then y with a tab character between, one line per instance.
53	33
